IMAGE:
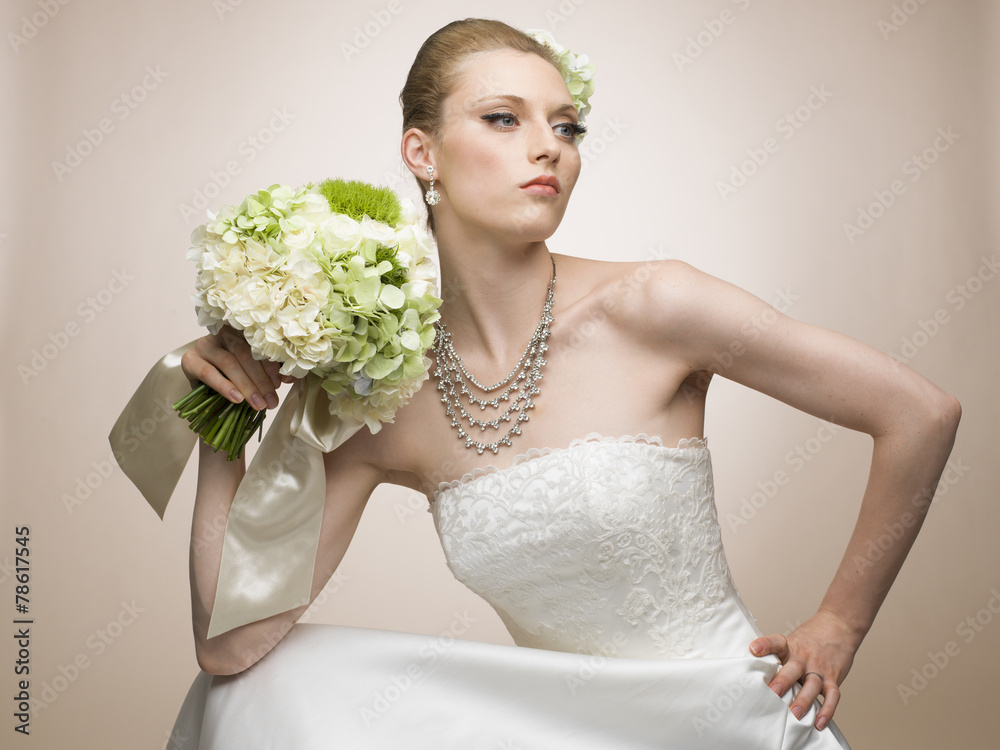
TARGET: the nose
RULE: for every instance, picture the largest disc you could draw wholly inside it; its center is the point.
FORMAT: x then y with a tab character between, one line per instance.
544	144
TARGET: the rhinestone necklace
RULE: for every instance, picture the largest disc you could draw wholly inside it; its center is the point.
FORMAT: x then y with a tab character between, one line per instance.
451	374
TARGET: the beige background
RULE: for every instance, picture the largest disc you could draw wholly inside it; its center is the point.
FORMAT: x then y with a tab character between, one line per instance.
663	135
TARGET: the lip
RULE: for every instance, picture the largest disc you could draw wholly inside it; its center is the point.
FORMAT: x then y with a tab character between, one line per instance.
542	185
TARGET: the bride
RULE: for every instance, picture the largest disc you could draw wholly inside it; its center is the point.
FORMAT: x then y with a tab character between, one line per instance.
491	132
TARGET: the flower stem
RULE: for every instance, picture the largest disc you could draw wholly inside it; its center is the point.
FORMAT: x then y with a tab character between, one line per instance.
222	424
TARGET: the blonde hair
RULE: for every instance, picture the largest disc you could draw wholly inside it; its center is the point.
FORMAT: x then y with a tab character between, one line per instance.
435	72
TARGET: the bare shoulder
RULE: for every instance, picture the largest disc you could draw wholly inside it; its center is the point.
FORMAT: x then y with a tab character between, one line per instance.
651	298
676	313
669	291
672	301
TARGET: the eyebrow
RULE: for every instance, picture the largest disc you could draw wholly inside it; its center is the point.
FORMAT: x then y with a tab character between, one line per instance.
520	101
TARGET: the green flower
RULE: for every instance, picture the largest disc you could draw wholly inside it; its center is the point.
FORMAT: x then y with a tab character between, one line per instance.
333	280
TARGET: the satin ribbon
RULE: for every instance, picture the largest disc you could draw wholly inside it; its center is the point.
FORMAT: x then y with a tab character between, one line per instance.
272	531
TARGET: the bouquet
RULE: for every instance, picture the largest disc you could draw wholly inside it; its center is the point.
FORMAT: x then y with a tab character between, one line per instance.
333	281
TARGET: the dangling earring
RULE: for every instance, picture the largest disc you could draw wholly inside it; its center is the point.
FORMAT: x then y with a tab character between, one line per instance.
432	196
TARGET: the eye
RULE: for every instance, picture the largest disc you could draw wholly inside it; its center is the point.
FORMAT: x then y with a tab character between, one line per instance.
571	130
499	116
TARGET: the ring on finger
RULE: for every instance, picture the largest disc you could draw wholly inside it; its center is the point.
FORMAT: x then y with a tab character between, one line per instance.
809	673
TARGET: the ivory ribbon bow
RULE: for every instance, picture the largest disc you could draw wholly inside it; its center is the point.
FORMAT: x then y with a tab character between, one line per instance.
272	532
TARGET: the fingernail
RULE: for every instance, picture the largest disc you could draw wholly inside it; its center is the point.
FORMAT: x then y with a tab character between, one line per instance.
257	401
821	722
798	711
757	648
235	395
272	400
776	687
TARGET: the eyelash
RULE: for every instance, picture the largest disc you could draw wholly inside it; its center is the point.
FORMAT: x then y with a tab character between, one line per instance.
493	116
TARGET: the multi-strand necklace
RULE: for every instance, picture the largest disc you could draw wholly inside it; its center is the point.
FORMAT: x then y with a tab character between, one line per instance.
519	386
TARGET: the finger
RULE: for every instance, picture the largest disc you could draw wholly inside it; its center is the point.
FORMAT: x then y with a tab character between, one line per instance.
811	688
831	698
770	644
236	342
248	373
263	393
272	370
788	674
224	371
197	363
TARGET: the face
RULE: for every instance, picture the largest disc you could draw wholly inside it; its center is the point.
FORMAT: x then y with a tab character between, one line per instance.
509	122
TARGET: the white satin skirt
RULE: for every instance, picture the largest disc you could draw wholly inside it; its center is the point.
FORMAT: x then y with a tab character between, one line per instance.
336	687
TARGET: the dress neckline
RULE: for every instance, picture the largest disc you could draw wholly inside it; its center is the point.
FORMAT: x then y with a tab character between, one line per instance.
684	444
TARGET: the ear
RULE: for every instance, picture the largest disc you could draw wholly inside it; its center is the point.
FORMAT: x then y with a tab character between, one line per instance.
417	149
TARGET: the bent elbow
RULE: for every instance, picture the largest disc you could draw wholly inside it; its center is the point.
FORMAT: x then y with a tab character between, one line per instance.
949	413
213	665
219	661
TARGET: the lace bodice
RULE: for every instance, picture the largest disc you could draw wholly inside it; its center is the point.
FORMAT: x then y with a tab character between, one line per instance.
610	546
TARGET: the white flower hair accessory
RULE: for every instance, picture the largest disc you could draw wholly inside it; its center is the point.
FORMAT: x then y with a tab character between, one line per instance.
577	70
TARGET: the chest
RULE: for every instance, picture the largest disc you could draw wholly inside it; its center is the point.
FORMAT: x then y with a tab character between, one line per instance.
593	379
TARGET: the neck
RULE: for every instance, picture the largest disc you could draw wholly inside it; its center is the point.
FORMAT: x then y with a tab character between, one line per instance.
493	296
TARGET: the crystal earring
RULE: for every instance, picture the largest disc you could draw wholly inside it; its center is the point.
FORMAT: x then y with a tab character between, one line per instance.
432	196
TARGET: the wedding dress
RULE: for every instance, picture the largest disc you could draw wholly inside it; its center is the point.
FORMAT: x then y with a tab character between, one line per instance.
604	560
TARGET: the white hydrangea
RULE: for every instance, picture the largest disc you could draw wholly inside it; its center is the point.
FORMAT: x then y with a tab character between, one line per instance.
304	286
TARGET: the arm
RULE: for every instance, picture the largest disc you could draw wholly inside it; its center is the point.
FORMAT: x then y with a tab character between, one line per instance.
912	422
350	481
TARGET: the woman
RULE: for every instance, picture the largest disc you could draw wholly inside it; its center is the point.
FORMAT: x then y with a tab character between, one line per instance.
491	133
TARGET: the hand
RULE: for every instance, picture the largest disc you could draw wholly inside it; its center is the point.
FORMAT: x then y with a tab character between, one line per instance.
225	363
824	645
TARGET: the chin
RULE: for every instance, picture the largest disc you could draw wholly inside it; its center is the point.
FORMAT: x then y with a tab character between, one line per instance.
536	232
534	223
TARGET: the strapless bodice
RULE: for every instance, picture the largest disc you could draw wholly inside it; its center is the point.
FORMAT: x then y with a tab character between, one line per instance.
609	546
